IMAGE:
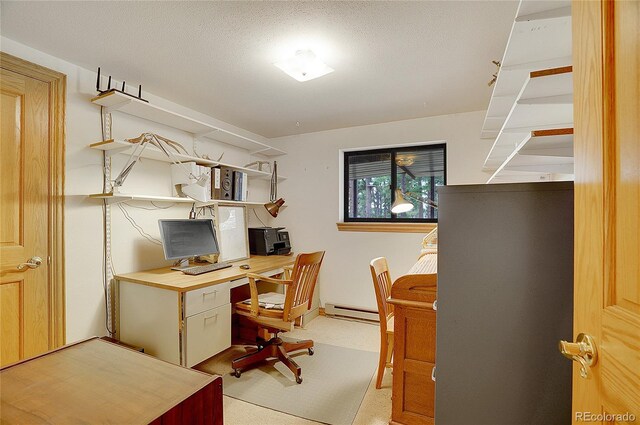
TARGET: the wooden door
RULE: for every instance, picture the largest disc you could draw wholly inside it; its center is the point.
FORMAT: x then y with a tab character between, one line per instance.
30	314
606	39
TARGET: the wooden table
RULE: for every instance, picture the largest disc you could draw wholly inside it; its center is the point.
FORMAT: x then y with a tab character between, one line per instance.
186	319
95	381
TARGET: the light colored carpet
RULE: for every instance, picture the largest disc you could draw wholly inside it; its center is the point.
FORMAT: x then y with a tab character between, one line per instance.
335	380
376	406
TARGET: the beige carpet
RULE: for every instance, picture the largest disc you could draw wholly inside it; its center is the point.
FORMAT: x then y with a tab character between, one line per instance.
376	406
335	380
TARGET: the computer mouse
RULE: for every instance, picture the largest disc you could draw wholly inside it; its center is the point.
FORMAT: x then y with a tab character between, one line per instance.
245	266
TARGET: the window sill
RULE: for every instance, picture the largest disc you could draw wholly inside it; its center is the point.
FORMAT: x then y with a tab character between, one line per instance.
386	227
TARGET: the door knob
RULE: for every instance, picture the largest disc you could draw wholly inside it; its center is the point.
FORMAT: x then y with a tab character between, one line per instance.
32	263
583	351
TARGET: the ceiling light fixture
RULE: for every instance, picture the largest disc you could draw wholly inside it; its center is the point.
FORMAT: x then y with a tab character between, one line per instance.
304	66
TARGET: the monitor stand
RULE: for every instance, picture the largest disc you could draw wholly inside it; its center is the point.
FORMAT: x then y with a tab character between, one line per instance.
183	264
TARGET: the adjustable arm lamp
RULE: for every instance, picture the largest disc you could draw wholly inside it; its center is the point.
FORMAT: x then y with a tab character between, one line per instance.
275	203
401	205
158	141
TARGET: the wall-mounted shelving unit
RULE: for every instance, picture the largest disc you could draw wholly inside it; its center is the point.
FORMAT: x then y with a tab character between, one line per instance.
540	152
114	101
531	108
540	39
545	102
113	147
124	197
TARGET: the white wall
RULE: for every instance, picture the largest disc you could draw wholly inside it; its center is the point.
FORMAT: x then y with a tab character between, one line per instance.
312	194
85	313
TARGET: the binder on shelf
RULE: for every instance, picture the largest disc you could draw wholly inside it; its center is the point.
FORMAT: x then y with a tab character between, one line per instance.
240	186
216	183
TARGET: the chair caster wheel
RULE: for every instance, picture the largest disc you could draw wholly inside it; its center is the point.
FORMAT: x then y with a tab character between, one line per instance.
236	373
298	380
311	351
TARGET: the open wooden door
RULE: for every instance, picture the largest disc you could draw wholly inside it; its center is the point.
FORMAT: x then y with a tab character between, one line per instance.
31	209
606	40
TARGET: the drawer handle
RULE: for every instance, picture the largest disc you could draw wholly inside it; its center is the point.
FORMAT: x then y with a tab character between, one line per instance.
213	316
433	374
204	294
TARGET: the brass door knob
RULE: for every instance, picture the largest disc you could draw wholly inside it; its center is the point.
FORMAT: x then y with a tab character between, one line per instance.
32	263
583	351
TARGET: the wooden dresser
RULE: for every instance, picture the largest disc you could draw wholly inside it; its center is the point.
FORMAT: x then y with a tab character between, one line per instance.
413	392
95	381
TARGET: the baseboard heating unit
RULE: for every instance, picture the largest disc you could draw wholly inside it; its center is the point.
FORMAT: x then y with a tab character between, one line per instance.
351	312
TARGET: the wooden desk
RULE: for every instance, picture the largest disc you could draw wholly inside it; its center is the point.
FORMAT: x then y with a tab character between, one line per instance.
185	319
95	381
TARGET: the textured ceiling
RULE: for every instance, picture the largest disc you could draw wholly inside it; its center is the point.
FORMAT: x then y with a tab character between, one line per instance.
392	60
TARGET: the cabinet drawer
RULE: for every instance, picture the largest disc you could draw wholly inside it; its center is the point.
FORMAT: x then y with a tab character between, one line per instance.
207	298
207	334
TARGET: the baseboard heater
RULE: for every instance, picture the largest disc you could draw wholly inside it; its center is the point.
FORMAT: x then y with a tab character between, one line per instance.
350	312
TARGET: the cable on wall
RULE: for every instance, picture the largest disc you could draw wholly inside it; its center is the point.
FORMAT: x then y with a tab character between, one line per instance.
138	228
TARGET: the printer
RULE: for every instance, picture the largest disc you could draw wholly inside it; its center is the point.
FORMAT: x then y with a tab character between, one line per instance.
269	241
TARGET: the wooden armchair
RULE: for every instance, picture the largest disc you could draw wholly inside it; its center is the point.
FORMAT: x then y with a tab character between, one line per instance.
382	285
299	282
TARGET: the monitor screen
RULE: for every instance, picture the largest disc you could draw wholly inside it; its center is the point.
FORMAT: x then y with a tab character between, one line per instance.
188	238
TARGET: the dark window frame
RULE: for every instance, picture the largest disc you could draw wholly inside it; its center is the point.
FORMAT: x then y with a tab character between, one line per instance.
394	181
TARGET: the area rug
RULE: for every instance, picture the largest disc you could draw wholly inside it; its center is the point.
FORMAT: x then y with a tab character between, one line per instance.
335	380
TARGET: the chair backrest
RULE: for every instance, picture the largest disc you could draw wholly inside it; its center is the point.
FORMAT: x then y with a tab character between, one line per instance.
300	293
382	285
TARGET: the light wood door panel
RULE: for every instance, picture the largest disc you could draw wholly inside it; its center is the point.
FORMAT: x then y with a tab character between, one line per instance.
24	233
607	189
11	346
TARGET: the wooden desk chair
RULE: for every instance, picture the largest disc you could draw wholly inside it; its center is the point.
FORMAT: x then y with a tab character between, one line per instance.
299	283
382	285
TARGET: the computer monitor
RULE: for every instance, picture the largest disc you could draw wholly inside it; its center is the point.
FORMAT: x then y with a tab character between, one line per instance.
188	238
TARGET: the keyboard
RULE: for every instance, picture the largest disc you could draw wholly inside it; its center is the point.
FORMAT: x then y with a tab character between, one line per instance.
195	270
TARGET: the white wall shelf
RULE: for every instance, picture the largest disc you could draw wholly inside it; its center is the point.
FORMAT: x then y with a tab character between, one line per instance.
113	147
124	197
540	39
114	101
545	102
540	152
111	198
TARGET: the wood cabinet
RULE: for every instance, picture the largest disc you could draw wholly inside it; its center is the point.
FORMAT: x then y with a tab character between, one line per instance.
413	296
95	381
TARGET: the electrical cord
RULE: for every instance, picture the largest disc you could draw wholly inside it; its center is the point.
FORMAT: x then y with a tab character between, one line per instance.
156	207
138	228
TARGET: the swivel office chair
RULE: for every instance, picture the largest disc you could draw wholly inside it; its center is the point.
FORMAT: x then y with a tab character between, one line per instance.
274	317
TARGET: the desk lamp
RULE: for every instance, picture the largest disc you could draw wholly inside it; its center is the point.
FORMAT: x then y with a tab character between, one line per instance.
274	205
401	205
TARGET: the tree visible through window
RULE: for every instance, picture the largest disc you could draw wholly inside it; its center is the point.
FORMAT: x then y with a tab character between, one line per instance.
372	176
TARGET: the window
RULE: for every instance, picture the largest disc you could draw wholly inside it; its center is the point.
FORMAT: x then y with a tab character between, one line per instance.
371	178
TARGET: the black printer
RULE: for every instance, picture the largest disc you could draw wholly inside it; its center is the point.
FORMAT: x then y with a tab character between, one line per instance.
269	241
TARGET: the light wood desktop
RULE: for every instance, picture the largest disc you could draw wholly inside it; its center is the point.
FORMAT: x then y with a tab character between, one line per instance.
185	319
95	381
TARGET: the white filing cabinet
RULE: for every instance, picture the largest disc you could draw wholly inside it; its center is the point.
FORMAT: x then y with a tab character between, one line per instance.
171	321
153	319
